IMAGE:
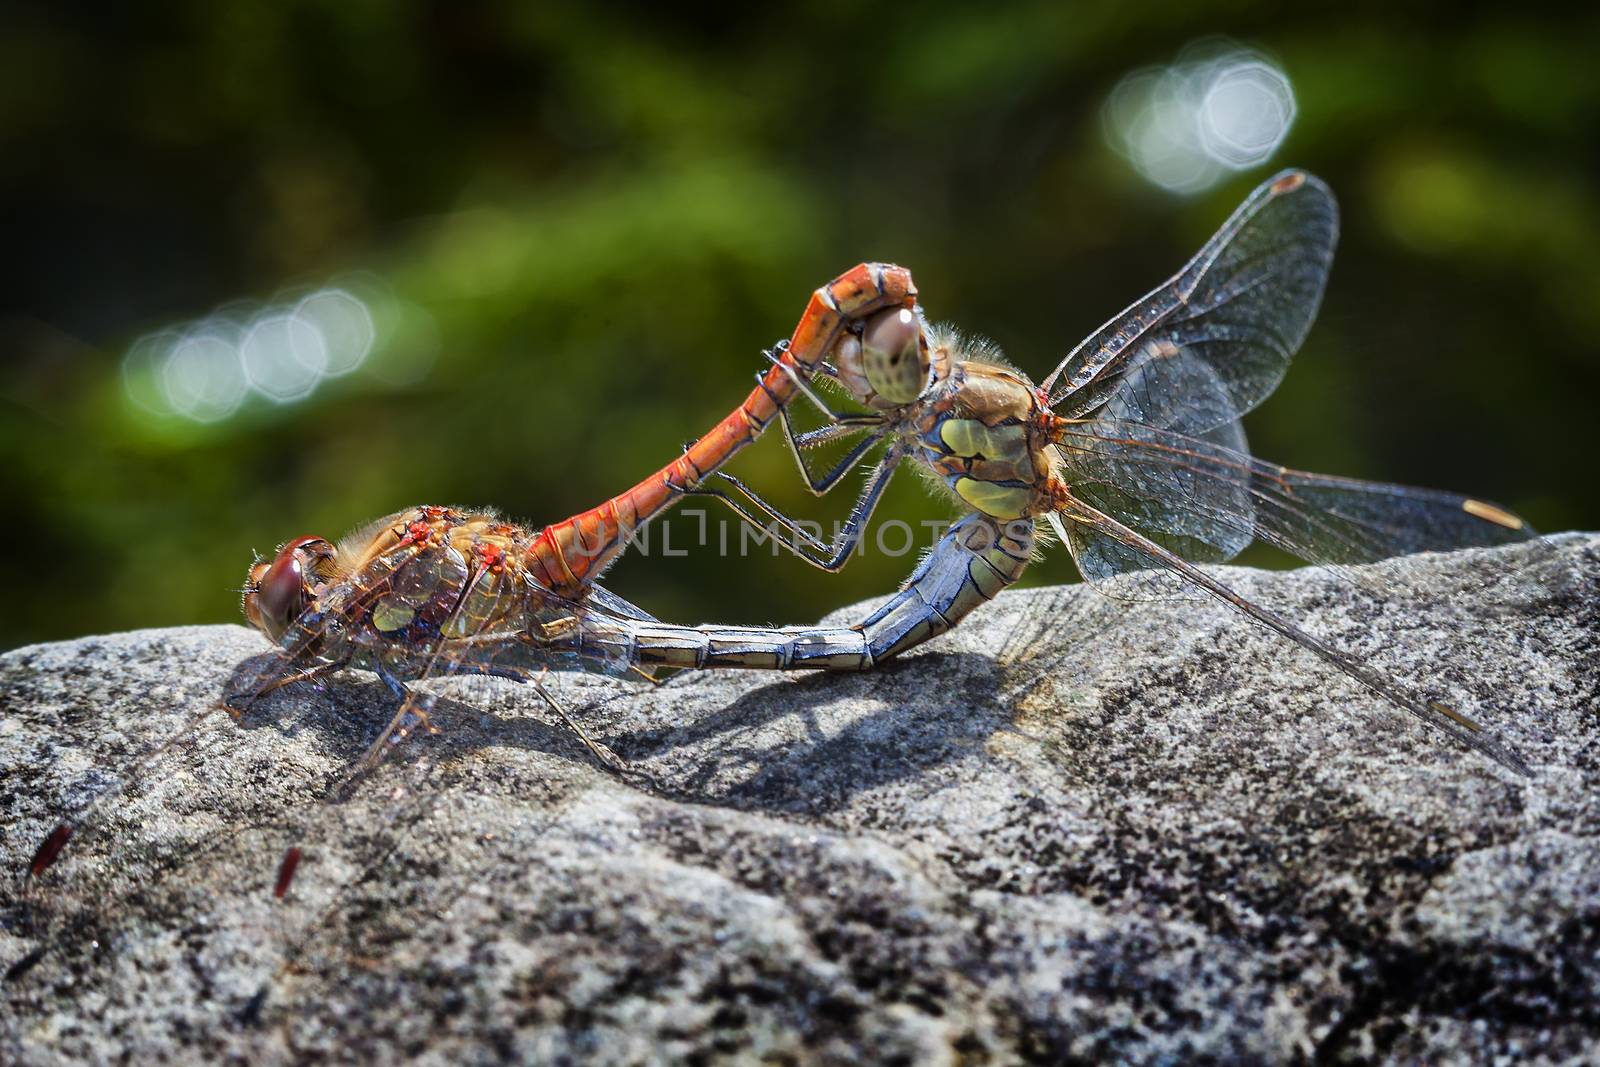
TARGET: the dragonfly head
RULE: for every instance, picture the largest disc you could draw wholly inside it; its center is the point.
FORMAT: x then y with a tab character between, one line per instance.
888	365
276	592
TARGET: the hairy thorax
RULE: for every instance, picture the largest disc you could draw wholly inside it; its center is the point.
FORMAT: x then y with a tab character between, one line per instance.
980	430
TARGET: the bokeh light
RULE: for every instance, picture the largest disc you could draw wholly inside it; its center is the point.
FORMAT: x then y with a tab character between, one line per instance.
578	269
344	326
201	374
204	371
284	356
1219	108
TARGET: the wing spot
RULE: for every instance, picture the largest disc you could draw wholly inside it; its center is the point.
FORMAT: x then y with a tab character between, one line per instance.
1490	513
1451	713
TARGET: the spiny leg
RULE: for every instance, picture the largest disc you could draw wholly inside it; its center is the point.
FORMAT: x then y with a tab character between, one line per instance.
557	629
774	355
646	674
841	424
872	425
414	709
600	751
829	557
413	712
570	552
236	704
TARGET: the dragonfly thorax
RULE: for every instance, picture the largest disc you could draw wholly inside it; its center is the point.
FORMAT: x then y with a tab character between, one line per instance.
982	432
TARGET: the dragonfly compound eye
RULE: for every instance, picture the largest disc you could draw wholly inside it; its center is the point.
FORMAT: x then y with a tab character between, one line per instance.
277	593
893	356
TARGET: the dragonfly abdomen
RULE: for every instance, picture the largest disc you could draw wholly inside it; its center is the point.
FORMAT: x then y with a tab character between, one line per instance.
650	644
976	559
569	554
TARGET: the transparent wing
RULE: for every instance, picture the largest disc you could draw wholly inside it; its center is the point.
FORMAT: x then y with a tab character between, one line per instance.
1162	457
1198	499
521	631
1166	391
413	612
1242	305
605	602
1433	712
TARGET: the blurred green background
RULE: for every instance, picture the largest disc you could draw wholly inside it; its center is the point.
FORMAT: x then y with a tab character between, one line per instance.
575	230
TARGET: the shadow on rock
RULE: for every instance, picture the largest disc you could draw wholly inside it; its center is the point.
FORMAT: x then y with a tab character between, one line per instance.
805	744
347	711
811	744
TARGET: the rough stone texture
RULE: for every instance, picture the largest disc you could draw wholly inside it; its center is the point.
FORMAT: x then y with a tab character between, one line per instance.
1073	830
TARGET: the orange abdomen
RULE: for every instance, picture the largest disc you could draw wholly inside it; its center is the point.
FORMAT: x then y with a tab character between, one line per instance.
569	554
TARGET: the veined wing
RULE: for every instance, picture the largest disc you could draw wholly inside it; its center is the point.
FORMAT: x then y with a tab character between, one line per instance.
1433	712
1198	498
412	611
327	632
1160	457
1166	390
1243	304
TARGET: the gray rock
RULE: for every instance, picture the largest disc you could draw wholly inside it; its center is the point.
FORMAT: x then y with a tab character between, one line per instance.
1073	830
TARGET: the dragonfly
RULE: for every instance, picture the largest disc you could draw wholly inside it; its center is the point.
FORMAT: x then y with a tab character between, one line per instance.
436	591
1130	452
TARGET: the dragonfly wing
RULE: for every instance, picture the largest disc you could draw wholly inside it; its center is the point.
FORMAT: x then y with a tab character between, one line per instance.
1328	519
1434	713
605	601
1115	570
1193	508
512	632
1243	304
1196	502
1195	496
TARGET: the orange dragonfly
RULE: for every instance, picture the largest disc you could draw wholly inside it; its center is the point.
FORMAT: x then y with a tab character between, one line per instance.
435	591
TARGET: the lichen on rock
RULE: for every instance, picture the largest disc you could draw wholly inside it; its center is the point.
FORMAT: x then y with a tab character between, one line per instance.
1072	830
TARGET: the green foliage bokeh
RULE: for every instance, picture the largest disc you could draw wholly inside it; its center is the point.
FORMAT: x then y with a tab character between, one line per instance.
581	228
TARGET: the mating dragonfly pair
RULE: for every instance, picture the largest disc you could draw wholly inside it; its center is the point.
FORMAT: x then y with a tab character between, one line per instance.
1131	452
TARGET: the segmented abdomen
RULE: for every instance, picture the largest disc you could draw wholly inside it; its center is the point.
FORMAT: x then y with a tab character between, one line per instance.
569	554
976	559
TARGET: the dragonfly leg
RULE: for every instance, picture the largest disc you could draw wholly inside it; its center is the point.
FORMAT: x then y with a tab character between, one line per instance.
871	425
413	713
774	356
830	557
841	424
236	704
646	673
602	753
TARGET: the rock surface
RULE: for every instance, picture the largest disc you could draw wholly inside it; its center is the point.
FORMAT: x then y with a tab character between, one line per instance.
1072	830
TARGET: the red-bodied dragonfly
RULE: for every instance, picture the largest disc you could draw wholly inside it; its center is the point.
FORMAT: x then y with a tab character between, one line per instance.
1131	450
435	591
